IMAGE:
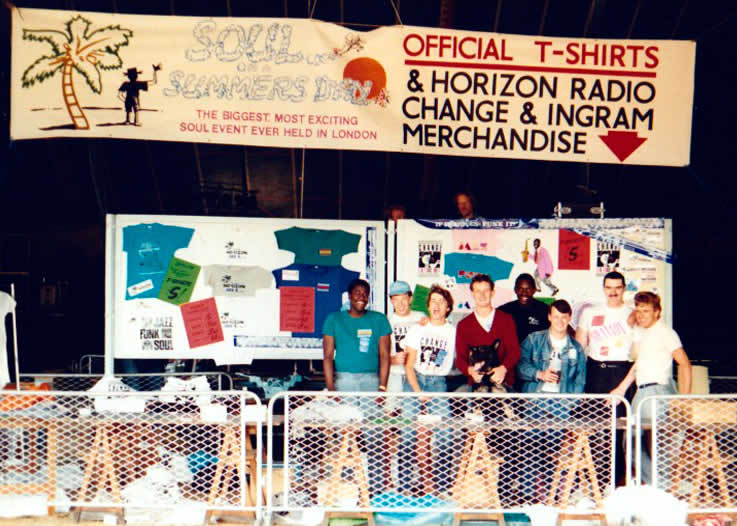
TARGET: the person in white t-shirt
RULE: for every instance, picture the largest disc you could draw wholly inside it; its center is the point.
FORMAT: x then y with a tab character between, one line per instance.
656	346
401	320
430	355
605	333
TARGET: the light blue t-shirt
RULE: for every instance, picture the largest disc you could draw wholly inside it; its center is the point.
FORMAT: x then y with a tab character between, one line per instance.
356	340
149	248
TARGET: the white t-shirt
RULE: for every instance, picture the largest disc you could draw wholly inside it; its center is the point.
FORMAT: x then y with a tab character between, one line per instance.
487	321
435	345
556	348
610	336
7	305
655	358
232	280
400	327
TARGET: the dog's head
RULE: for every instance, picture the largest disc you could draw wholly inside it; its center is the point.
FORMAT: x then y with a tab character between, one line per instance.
486	354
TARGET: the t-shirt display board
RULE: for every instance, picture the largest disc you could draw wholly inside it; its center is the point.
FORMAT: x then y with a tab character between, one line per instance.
568	257
232	289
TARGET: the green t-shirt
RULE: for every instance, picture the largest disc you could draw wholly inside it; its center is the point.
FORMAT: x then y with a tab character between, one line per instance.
312	246
356	340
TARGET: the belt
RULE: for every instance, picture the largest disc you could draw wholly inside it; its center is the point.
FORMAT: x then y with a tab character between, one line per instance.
643	386
610	365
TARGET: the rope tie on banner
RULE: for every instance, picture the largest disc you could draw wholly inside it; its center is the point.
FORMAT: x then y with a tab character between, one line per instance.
311	10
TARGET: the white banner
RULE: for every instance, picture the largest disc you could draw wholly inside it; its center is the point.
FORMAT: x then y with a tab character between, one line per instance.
304	83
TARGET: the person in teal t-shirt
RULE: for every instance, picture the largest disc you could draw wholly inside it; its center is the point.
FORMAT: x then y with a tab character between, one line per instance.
356	345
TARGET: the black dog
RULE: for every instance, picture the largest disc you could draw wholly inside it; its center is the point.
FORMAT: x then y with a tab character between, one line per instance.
488	356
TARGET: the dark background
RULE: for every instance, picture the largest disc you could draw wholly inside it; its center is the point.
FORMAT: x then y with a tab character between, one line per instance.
54	194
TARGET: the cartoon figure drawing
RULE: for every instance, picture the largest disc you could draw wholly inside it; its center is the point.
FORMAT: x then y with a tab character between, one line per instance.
129	92
76	48
543	267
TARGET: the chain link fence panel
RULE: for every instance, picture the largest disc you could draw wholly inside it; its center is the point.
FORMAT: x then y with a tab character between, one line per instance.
138	451
690	449
453	452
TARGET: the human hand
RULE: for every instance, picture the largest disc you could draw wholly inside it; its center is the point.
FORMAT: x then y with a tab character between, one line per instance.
498	374
549	376
474	373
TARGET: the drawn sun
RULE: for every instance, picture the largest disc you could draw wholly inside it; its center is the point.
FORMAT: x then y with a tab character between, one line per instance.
363	69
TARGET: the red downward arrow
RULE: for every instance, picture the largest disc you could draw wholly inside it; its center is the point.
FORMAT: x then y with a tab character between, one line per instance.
622	143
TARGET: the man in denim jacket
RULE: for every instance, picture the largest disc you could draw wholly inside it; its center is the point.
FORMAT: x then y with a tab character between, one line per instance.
551	361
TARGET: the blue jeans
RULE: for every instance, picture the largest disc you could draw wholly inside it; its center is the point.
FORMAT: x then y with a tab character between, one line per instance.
441	453
366	382
646	469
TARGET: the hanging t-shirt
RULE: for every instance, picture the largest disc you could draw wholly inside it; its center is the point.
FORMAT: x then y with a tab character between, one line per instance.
235	280
400	327
149	248
435	345
7	305
329	284
610	336
463	267
312	246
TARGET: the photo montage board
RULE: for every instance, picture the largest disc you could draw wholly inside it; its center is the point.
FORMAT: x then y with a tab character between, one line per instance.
232	289
573	254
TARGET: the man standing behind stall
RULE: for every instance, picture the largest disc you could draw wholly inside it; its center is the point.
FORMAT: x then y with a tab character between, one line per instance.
481	329
530	315
355	345
605	332
356	357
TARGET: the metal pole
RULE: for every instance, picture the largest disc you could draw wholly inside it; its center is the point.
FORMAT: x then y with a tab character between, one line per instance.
15	339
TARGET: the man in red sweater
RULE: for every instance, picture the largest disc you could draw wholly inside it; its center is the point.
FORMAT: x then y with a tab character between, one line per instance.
482	328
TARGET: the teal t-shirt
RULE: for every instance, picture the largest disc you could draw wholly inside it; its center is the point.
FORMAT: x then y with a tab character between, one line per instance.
356	340
313	246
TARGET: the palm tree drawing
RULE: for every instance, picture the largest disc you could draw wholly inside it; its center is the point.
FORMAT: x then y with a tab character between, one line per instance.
77	48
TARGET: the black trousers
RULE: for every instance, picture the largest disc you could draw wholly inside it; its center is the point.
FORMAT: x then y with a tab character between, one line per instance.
601	378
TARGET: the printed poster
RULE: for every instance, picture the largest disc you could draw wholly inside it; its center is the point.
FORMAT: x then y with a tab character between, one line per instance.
607	257
202	323
297	309
179	281
574	252
429	258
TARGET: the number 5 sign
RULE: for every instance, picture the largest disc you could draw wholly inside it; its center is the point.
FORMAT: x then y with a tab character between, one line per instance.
573	251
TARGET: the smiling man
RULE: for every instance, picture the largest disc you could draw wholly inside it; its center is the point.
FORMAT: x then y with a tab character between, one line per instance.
605	332
656	346
355	345
530	315
481	329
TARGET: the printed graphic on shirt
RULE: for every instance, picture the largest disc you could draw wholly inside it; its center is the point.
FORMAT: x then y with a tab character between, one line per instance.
234	251
615	334
229	321
364	340
432	353
429	257
607	257
400	333
155	333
